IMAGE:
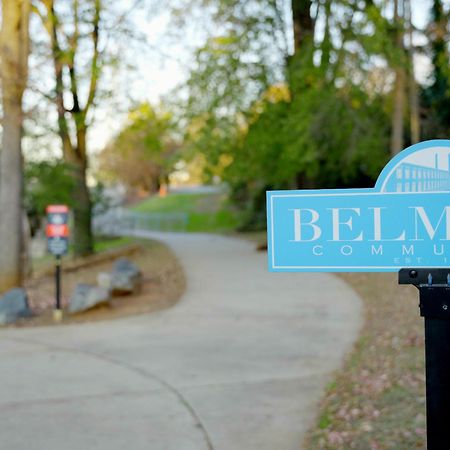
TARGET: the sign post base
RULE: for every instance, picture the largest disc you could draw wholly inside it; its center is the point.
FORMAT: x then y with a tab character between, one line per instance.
57	312
434	288
57	315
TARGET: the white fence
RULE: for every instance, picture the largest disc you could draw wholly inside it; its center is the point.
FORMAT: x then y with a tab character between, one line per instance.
117	221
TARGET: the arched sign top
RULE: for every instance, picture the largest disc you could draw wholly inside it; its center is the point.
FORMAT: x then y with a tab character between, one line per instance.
429	158
404	221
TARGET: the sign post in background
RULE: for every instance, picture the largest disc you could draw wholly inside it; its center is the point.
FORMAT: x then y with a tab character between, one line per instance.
401	225
57	231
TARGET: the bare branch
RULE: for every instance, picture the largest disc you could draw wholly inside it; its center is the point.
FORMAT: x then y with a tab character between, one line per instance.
73	47
51	24
95	69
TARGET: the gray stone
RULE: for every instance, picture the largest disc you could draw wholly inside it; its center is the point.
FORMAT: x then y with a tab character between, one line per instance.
126	278
87	296
120	283
104	279
125	265
14	305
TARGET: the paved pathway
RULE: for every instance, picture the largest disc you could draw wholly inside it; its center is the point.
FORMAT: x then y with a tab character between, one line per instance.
238	364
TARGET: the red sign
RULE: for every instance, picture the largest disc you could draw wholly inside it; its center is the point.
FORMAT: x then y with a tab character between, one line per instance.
57	209
57	221
53	230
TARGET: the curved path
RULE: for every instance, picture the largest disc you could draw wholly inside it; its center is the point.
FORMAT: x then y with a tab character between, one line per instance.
238	364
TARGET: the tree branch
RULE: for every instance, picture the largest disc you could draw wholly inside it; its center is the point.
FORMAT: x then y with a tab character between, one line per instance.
51	25
95	70
73	44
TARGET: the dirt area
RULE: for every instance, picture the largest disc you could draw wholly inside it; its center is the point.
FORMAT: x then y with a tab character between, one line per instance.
163	284
377	400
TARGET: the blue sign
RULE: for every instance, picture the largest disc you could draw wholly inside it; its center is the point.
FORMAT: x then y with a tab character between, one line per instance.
58	246
404	221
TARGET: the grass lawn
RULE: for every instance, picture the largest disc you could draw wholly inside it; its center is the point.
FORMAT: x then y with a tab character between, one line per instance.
206	212
103	243
377	400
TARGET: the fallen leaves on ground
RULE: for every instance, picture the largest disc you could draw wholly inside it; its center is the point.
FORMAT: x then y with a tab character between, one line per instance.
377	400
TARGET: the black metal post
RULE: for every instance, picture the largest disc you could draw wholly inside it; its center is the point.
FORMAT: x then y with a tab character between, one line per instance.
437	350
434	288
58	282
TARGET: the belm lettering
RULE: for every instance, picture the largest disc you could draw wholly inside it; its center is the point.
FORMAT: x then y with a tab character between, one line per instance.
309	225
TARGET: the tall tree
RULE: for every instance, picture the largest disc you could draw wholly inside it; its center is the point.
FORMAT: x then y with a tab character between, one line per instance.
400	65
142	155
319	123
437	95
68	46
303	24
14	49
414	110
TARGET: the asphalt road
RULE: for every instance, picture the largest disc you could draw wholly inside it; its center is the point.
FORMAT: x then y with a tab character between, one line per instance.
239	363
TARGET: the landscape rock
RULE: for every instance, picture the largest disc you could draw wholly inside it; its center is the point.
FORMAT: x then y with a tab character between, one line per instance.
124	265
126	278
87	296
14	305
104	279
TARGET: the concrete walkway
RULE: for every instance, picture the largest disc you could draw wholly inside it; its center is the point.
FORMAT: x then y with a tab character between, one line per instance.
238	364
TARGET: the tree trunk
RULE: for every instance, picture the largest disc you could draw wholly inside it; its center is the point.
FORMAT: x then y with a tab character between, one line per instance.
14	55
399	85
83	242
414	118
82	235
398	112
303	24
74	144
414	106
303	29
26	263
11	197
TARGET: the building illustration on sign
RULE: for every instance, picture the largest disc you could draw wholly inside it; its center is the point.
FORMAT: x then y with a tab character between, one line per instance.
409	177
404	221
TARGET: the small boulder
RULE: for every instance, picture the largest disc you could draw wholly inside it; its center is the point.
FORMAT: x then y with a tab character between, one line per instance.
104	279
124	265
87	296
125	278
13	305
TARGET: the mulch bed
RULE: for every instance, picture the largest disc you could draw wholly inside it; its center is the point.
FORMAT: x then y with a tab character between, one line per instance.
163	284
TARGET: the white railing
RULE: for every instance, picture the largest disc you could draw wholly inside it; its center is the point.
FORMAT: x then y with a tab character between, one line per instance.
118	221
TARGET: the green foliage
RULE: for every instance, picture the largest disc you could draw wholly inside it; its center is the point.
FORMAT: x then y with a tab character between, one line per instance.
46	183
103	243
324	138
52	182
142	155
233	69
308	120
335	136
